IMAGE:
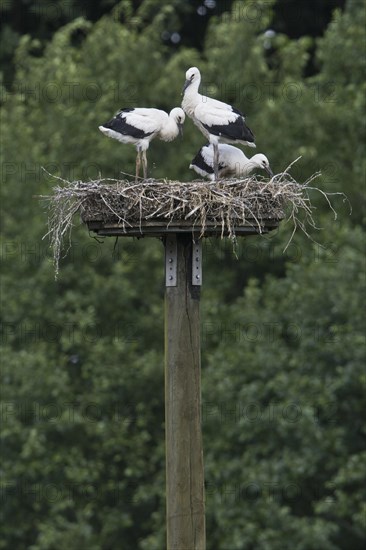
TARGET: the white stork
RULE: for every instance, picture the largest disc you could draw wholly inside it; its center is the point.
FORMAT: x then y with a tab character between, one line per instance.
139	126
218	121
232	162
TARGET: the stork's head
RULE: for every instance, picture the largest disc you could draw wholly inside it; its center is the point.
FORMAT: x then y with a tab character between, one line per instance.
192	75
261	161
178	115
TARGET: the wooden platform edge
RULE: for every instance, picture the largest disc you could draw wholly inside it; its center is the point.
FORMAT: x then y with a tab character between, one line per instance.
162	228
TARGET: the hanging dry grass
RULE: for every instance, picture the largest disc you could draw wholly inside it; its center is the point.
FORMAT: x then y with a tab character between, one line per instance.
227	204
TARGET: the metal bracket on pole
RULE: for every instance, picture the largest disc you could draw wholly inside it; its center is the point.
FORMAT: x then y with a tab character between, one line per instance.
197	263
171	261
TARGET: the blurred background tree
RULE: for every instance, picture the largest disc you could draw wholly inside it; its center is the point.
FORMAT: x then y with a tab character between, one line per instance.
41	19
283	333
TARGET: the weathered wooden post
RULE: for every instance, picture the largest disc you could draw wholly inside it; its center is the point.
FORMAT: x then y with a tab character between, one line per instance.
185	495
185	511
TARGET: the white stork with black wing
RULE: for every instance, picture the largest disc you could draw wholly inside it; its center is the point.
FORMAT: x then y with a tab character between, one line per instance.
218	121
232	162
139	126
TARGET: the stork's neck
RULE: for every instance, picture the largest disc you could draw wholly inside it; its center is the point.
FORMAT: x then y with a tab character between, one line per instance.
191	98
170	130
247	166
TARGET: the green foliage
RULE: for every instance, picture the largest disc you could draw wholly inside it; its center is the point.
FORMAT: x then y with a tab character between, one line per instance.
282	333
279	388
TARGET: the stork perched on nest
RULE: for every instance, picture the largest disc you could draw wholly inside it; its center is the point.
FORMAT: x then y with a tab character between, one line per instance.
232	162
218	121
139	126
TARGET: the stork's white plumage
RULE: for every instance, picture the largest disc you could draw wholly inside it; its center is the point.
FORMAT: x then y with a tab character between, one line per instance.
139	126
232	162
218	121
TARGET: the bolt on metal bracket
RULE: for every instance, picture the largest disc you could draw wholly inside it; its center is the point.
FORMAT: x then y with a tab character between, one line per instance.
197	263
171	261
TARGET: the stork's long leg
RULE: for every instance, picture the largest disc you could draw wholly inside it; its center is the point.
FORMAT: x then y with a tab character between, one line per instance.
144	164
216	160
138	162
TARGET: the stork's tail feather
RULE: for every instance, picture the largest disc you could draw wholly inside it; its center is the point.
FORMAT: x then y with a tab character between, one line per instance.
248	135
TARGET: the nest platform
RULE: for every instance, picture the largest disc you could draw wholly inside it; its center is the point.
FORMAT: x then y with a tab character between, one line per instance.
156	209
151	208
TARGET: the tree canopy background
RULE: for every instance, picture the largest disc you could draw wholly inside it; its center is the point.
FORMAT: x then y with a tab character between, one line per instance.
282	333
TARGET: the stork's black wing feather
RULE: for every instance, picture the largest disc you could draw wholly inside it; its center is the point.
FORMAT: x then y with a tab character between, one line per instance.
234	131
119	124
200	162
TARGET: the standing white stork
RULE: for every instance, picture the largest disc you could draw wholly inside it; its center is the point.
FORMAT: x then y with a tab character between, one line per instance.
232	162
139	126
218	121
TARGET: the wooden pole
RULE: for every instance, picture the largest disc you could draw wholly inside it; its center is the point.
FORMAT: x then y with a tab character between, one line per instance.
184	457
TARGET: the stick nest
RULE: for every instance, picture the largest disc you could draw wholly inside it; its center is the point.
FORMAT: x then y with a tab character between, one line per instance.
227	203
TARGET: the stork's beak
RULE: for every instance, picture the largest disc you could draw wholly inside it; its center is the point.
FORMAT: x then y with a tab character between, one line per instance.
180	129
186	84
269	171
